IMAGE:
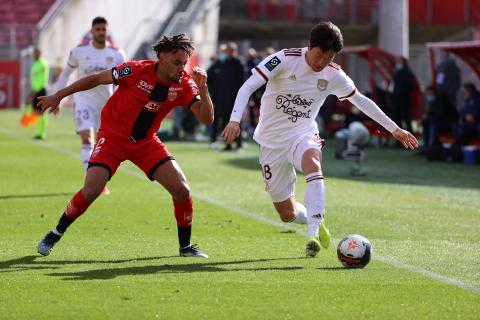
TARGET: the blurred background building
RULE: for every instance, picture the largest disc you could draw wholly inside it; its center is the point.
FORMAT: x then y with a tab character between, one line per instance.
431	34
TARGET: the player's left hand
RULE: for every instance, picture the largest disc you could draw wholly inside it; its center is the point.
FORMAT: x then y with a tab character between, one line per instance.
200	77
407	139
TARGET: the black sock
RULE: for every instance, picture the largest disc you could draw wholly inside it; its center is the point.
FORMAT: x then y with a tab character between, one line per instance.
63	224
52	237
184	234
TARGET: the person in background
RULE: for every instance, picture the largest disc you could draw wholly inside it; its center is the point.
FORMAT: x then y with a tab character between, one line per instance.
225	76
468	127
439	118
89	58
39	74
254	103
403	85
448	78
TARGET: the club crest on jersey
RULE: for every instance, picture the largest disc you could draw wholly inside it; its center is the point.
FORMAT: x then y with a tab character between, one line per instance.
109	60
273	63
322	84
152	106
172	95
125	71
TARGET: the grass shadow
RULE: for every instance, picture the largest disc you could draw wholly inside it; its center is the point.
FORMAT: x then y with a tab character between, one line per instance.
108	274
27	196
33	262
37	262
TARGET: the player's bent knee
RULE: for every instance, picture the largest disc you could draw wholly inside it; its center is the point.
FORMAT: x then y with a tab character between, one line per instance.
181	192
312	165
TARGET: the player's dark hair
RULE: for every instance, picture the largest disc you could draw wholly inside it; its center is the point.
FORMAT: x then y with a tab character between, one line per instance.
180	41
99	20
326	36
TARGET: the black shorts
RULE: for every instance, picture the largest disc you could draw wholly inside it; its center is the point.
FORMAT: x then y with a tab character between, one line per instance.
35	100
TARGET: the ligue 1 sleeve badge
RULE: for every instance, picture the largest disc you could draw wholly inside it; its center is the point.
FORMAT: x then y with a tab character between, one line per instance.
322	84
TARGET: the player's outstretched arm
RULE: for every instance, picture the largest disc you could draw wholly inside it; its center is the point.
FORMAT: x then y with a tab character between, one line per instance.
202	109
407	139
52	102
369	107
231	131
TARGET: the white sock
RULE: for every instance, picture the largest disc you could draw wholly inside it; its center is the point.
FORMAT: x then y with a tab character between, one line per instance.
301	217
55	231
315	202
85	154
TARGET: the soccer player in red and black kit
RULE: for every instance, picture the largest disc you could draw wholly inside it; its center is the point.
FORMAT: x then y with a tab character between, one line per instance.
147	91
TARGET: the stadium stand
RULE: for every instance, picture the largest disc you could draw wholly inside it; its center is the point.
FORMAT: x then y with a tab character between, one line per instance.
19	20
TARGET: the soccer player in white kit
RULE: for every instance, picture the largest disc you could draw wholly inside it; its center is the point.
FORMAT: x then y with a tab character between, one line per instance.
298	81
96	56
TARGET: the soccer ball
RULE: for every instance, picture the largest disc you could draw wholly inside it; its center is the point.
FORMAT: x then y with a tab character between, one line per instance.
354	251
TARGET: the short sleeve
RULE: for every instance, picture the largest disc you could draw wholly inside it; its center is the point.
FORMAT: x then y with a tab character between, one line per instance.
123	73
191	93
271	66
73	59
343	86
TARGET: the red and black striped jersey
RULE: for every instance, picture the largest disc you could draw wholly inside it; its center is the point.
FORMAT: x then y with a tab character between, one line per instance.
142	101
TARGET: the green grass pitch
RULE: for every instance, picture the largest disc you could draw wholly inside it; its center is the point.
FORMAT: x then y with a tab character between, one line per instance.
120	259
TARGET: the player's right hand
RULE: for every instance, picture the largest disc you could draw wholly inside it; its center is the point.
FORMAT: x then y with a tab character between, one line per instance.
231	131
50	102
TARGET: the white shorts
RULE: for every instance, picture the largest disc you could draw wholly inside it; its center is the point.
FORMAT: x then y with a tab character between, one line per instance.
86	117
279	164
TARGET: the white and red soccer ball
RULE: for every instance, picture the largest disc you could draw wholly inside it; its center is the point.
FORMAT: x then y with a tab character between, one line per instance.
354	251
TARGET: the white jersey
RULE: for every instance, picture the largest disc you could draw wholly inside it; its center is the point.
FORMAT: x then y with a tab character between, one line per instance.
89	60
294	95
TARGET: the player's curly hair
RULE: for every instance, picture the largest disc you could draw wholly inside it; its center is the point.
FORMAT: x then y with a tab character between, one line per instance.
326	36
180	41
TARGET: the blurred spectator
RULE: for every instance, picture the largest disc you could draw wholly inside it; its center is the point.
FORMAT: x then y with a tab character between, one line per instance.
184	124
403	85
448	78
439	118
39	75
254	103
268	51
469	122
225	77
251	61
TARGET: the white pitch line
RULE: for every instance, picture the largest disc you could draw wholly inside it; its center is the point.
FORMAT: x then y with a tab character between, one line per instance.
391	261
